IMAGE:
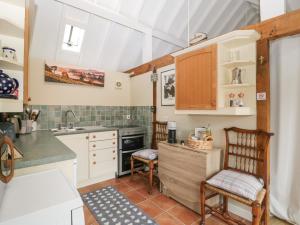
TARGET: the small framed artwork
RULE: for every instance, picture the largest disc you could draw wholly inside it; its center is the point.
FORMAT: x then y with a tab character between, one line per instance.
168	84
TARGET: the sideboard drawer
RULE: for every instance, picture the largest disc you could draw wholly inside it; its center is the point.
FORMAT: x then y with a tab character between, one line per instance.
103	135
103	155
94	145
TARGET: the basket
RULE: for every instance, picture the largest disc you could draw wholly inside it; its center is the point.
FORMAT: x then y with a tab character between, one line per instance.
206	144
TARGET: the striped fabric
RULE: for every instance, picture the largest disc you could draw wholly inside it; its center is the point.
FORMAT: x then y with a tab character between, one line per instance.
241	184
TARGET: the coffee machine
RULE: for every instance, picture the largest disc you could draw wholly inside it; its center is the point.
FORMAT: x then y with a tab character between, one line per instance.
172	132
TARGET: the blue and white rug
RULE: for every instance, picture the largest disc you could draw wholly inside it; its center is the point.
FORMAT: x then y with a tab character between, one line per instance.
110	207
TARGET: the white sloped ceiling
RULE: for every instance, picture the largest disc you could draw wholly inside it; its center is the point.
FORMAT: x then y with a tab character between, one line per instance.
110	44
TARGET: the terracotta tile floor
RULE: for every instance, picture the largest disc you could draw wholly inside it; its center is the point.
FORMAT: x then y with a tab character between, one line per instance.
163	210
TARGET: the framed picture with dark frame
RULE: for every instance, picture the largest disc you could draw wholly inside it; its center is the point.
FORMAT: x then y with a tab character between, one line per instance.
168	84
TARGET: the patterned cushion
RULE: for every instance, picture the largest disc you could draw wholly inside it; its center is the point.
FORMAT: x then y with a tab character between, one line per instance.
149	154
241	184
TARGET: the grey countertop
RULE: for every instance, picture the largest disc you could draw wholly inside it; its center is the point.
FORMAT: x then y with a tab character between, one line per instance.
42	147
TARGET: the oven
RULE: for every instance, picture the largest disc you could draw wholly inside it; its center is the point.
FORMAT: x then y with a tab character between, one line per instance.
128	144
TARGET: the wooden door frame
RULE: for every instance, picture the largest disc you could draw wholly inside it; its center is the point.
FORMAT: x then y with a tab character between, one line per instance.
272	29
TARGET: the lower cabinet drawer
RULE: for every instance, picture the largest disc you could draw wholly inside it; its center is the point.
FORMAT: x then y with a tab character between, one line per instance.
103	169
93	145
97	156
103	135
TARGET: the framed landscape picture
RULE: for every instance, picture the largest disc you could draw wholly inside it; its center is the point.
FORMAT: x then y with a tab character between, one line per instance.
72	75
168	84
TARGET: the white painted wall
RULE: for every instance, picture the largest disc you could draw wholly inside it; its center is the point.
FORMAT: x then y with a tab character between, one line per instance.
141	90
46	46
16	18
271	8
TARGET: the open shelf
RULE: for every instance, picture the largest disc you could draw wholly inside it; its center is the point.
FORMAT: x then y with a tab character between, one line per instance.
238	63
245	85
227	111
10	65
11	105
10	29
239	40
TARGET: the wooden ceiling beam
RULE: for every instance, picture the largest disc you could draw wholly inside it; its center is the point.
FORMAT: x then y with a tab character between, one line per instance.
158	63
284	25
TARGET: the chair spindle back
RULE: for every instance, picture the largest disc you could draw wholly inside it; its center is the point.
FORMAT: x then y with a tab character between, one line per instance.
247	151
159	133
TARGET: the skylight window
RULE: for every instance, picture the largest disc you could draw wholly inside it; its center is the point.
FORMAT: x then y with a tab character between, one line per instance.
73	38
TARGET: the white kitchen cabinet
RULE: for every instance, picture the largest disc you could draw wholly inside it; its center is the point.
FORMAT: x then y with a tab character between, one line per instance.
103	163
96	155
41	198
79	143
67	167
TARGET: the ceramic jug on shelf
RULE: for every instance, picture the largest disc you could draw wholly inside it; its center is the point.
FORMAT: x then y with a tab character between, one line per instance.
8	85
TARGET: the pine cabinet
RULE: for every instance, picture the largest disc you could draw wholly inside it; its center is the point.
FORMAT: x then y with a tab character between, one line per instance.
196	79
181	170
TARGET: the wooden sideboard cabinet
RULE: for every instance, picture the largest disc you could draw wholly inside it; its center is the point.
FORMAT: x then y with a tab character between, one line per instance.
196	79
181	170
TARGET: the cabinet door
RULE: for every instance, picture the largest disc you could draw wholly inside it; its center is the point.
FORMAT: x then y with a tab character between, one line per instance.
80	145
196	79
103	163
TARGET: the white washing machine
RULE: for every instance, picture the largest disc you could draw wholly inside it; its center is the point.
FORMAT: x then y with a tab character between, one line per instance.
42	198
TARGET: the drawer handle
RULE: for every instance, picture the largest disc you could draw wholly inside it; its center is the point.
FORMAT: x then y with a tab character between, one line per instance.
114	134
114	151
114	158
114	143
94	154
94	163
94	136
94	146
87	137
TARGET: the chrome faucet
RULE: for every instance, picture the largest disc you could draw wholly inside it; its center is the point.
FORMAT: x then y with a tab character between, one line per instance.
66	118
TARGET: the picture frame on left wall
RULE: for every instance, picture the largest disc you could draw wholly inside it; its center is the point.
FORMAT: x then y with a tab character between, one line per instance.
168	86
73	75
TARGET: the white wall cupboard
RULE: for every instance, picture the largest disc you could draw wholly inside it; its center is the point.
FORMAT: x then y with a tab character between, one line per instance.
96	155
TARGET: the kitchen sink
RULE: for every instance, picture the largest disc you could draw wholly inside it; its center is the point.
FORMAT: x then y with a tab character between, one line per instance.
66	130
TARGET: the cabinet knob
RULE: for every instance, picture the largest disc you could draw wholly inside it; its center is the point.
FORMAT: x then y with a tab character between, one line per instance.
114	143
87	137
114	134
94	154
94	136
94	146
114	158
94	163
114	151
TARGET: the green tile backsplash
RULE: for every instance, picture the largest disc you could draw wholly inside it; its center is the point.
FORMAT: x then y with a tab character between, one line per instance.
53	115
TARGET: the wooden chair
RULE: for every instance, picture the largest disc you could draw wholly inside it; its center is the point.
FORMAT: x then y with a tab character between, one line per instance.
159	134
6	164
246	152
